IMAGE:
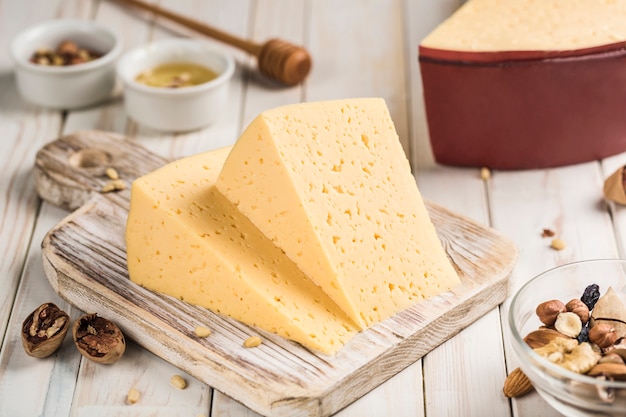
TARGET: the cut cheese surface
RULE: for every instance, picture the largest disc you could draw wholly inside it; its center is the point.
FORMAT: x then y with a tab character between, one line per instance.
531	25
185	240
329	183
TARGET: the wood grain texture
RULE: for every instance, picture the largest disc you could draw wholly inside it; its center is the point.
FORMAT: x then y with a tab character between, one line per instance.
24	129
84	260
567	200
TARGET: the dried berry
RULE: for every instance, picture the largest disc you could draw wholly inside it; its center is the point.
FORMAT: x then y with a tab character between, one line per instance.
98	339
591	295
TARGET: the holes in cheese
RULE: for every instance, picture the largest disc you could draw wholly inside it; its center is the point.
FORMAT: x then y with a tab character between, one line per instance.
186	240
336	194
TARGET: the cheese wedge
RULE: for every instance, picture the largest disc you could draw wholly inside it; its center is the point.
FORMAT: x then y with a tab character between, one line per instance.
329	183
185	240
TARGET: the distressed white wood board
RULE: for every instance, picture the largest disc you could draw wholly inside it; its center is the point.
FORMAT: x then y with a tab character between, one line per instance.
85	262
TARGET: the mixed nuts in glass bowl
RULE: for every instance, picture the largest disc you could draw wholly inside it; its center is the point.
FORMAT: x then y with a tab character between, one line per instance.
568	328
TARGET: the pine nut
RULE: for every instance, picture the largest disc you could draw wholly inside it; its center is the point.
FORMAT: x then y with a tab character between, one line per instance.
252	341
202	331
178	381
133	396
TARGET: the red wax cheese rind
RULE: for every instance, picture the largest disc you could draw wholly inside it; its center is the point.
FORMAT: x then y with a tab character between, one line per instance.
524	113
526	84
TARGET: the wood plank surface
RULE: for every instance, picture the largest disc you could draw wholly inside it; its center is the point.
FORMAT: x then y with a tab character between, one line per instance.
84	259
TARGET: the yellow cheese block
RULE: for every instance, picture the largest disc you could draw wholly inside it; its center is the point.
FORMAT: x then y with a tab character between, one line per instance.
531	25
329	183
185	240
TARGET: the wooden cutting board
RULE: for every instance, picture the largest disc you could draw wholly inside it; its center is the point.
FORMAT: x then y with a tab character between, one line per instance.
85	261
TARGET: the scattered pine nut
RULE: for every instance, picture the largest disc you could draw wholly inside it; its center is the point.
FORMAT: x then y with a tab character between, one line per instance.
485	173
202	331
252	341
112	174
113	185
133	396
178	381
557	244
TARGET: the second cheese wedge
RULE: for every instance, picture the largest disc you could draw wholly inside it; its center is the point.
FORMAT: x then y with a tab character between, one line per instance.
329	183
185	240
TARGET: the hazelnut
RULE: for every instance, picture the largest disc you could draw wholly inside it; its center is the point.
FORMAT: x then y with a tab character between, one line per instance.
580	308
549	310
603	335
568	323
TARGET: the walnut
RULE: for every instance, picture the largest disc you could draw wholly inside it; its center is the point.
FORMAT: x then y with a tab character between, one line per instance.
44	329
98	339
567	353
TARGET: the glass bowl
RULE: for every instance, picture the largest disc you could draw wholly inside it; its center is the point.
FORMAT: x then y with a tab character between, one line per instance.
570	393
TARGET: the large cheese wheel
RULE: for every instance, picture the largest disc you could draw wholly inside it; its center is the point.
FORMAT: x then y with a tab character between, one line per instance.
526	84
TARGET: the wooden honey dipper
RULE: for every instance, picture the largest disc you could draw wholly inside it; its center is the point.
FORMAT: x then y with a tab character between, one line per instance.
278	59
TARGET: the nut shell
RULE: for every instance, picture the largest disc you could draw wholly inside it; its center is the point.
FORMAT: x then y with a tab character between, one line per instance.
44	330
98	339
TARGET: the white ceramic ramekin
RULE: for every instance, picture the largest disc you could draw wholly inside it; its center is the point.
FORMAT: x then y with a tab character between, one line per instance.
71	86
175	109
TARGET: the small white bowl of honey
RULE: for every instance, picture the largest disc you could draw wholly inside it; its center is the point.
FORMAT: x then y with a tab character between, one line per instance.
175	85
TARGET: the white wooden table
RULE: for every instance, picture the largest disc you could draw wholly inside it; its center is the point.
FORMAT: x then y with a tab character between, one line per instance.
360	48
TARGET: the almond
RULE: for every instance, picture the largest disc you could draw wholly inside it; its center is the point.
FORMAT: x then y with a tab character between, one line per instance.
616	371
541	337
517	384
